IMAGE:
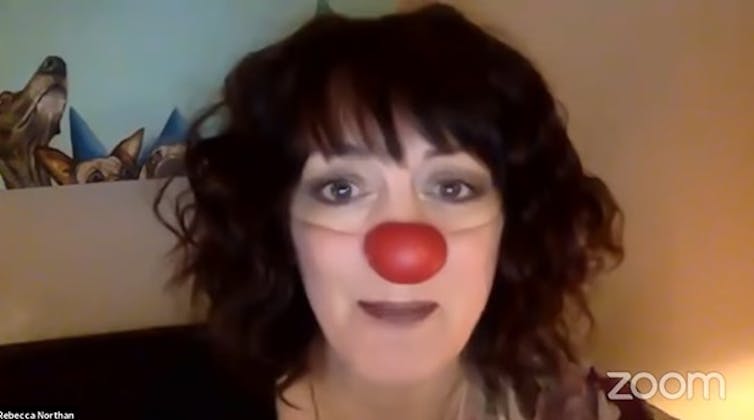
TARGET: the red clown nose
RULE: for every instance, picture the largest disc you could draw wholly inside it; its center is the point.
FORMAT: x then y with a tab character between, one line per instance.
405	253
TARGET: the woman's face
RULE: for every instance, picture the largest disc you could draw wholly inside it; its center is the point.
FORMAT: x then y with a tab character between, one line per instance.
340	199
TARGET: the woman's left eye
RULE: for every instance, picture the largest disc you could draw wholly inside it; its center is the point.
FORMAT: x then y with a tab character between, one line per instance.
337	191
454	190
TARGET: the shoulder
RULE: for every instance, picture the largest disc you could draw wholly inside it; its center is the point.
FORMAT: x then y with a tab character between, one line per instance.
579	393
582	392
619	395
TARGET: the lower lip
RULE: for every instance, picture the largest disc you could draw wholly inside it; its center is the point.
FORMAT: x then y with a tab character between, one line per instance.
398	313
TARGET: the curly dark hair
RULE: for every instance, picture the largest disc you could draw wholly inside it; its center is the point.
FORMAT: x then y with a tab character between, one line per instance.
466	90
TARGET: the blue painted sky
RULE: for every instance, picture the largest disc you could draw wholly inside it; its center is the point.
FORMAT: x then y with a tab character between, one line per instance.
131	62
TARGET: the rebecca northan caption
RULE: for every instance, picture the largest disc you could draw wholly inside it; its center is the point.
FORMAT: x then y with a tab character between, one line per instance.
36	415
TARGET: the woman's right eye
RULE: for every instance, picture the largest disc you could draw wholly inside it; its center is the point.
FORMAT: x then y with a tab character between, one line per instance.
340	191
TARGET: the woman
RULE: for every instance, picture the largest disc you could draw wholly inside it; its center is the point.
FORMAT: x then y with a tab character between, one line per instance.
390	221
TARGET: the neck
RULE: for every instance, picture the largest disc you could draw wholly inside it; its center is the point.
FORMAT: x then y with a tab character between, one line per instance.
339	393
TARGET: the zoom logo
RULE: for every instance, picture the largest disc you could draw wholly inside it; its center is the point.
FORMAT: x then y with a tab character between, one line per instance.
671	385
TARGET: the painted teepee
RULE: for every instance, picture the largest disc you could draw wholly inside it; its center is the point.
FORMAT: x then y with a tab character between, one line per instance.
323	7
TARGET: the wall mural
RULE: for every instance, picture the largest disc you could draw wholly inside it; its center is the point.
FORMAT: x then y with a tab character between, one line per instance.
88	111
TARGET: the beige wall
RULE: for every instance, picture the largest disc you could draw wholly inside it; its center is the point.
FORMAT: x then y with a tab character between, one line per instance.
660	97
83	259
661	103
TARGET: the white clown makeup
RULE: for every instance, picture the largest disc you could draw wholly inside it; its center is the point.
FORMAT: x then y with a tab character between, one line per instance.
384	330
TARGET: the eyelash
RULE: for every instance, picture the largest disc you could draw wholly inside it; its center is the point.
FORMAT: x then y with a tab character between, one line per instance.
318	190
473	191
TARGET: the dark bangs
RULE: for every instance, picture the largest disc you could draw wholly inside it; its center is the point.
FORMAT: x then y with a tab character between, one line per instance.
344	81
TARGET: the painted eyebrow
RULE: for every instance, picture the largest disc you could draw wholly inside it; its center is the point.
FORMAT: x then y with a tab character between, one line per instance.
360	151
350	150
431	153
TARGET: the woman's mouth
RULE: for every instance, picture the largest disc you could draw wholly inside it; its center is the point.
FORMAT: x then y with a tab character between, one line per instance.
398	313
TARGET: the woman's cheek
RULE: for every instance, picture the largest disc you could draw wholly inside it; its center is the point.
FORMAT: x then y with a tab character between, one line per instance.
328	262
472	262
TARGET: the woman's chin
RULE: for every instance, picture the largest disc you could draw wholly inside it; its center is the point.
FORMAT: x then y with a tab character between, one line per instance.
397	374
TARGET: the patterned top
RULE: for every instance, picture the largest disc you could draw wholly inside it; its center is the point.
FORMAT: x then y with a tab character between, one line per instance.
580	394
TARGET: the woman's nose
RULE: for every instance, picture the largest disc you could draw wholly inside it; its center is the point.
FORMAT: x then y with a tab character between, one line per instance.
405	253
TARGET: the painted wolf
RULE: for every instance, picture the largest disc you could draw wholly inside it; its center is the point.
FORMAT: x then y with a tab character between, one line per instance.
119	165
29	119
91	162
164	156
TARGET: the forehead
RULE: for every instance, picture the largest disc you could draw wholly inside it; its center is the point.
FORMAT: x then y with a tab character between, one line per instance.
360	137
417	156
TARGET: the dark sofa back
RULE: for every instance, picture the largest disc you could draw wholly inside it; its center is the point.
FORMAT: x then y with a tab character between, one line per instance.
159	373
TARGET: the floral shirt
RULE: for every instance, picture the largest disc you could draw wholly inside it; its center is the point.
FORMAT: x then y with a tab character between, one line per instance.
579	394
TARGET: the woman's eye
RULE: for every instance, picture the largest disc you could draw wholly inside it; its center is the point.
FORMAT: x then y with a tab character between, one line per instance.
338	192
455	190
